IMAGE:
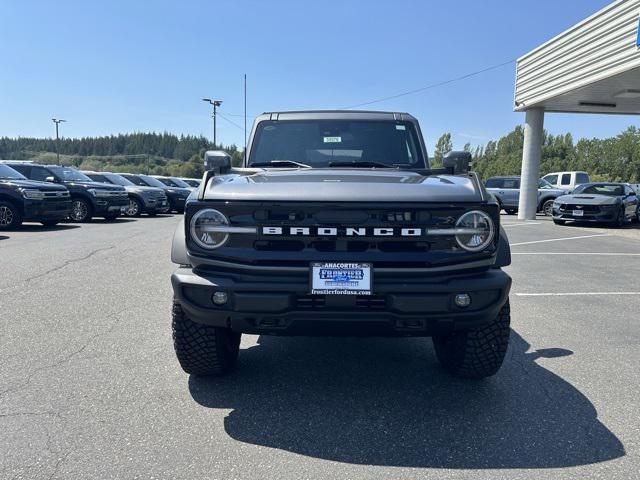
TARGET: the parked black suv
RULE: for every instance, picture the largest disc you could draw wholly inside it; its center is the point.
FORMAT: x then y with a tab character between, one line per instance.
149	200
335	226
25	200
88	198
176	196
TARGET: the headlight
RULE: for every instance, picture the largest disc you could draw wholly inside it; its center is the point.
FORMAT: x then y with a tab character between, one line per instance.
480	231
99	193
33	194
203	228
556	204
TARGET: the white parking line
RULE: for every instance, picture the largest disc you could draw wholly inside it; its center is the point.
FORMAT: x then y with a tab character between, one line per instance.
558	239
520	224
603	254
573	294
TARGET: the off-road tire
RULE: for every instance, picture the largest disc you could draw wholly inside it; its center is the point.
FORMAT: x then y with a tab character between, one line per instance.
10	216
201	349
476	353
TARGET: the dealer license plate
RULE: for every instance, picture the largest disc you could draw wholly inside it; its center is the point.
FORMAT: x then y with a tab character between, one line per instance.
578	213
340	278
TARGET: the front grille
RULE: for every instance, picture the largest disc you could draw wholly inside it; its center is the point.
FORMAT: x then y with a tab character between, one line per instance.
62	195
584	208
289	250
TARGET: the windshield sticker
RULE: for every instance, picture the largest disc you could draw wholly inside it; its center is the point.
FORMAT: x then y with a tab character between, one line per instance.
332	139
401	127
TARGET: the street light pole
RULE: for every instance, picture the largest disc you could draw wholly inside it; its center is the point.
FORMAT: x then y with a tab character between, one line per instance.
57	122
216	104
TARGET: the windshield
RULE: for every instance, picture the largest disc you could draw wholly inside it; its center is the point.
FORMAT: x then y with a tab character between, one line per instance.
174	182
544	184
118	180
69	174
193	183
318	143
150	181
9	173
611	190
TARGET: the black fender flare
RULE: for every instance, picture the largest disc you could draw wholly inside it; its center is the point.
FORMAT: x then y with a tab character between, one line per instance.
179	246
503	255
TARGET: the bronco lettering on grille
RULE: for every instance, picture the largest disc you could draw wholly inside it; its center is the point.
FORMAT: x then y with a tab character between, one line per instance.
344	231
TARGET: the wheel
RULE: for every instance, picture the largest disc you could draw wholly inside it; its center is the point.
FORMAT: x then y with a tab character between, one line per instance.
476	353
81	210
50	223
134	209
547	208
201	349
559	222
619	221
10	216
511	211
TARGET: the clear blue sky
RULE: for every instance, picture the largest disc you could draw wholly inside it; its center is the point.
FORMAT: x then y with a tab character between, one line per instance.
116	66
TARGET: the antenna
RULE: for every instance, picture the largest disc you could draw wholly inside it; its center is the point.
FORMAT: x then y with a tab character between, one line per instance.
245	119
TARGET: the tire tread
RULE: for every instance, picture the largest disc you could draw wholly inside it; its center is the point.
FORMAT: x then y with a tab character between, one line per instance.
202	349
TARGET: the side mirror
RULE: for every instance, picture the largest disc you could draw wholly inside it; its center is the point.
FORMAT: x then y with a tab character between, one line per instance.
50	179
218	161
459	162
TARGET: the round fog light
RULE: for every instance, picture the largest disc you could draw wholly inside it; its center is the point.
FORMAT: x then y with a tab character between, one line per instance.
219	298
463	300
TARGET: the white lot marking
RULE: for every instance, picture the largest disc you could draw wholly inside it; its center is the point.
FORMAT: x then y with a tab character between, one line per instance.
558	239
574	294
520	224
603	254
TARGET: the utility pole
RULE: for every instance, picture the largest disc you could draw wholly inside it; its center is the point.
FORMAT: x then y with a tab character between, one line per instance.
216	104
57	122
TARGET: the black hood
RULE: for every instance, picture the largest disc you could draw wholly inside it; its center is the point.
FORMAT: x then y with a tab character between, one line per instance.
48	186
98	185
343	185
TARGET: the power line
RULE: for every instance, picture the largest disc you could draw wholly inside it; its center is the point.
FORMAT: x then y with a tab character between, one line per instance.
433	85
231	121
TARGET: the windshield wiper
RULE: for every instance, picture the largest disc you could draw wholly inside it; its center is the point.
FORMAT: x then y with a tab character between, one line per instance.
273	163
361	164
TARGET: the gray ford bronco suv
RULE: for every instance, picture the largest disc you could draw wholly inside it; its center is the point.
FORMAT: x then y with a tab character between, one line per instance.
336	225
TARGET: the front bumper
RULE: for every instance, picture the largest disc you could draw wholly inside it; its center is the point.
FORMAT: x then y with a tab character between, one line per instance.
274	305
602	215
44	210
177	203
154	204
109	206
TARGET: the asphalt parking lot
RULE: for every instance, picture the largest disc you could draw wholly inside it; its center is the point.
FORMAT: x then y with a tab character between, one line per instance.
90	387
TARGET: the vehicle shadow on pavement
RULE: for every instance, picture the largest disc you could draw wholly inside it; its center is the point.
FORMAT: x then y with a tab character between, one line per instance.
386	402
36	227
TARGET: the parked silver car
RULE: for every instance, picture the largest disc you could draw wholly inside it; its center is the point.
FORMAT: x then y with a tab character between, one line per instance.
507	192
610	203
